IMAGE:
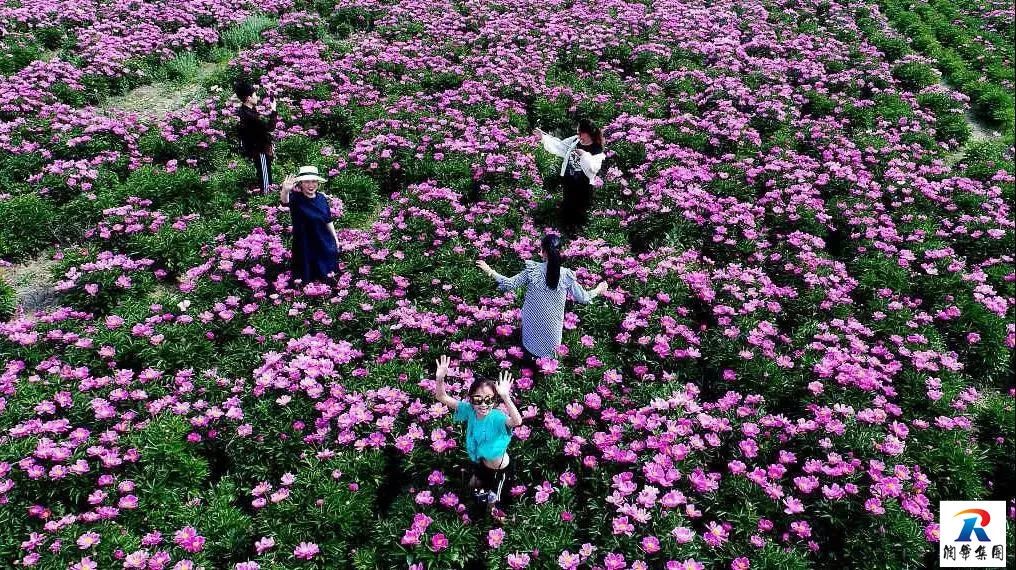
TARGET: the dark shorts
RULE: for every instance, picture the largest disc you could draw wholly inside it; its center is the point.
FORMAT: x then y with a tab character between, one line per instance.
493	480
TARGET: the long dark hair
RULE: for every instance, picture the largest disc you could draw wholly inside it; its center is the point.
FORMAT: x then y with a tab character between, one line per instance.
552	249
594	132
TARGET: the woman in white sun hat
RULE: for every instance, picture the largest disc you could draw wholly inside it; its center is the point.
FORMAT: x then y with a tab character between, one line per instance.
315	243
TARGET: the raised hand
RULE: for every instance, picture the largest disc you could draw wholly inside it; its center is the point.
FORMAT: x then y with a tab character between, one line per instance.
504	385
442	366
289	183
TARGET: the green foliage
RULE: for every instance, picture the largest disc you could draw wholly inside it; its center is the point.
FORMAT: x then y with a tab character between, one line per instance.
878	271
552	116
454	171
818	105
914	75
893	540
223	76
171	466
345	20
53	37
992	103
28	221
298	150
985	158
93	91
952	126
360	194
247	33
173	192
304	31
938	102
154	145
183	68
436	82
628	155
8	300
657	229
16	168
963	465
893	48
956	39
16	52
218	516
996	423
772	557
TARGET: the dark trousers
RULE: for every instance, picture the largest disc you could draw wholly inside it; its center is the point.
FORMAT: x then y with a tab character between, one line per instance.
578	195
263	167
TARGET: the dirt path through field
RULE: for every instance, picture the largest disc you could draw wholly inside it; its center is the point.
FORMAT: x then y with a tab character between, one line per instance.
159	99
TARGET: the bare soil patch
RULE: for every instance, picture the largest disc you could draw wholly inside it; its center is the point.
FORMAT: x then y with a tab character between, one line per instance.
33	281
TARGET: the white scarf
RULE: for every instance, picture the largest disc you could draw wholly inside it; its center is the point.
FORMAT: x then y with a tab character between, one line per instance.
590	163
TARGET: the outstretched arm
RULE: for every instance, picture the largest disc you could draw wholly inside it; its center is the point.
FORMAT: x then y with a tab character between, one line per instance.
504	283
553	144
581	295
439	389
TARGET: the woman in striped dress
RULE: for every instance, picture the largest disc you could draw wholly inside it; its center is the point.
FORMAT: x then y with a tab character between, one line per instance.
547	285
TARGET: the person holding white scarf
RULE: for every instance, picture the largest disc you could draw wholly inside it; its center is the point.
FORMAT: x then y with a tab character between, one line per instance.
583	157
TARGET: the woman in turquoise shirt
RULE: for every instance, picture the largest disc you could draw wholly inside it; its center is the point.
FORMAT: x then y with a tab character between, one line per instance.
488	430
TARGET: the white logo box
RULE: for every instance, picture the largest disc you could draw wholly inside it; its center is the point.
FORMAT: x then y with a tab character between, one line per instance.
972	534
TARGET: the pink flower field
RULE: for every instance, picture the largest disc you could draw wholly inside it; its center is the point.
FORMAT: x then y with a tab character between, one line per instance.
804	220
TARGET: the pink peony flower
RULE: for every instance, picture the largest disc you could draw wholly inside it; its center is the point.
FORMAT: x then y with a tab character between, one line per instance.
614	561
651	544
495	537
438	542
306	550
569	561
517	561
264	544
188	539
683	535
88	540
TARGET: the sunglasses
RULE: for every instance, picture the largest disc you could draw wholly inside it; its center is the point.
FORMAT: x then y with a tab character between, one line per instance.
483	401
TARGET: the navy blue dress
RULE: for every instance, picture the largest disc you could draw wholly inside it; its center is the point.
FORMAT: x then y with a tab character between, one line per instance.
315	254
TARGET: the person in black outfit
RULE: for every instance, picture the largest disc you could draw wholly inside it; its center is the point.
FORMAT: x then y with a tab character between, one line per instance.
255	133
583	157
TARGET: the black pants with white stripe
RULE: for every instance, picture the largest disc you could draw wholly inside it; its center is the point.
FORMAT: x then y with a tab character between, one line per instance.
263	167
492	480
